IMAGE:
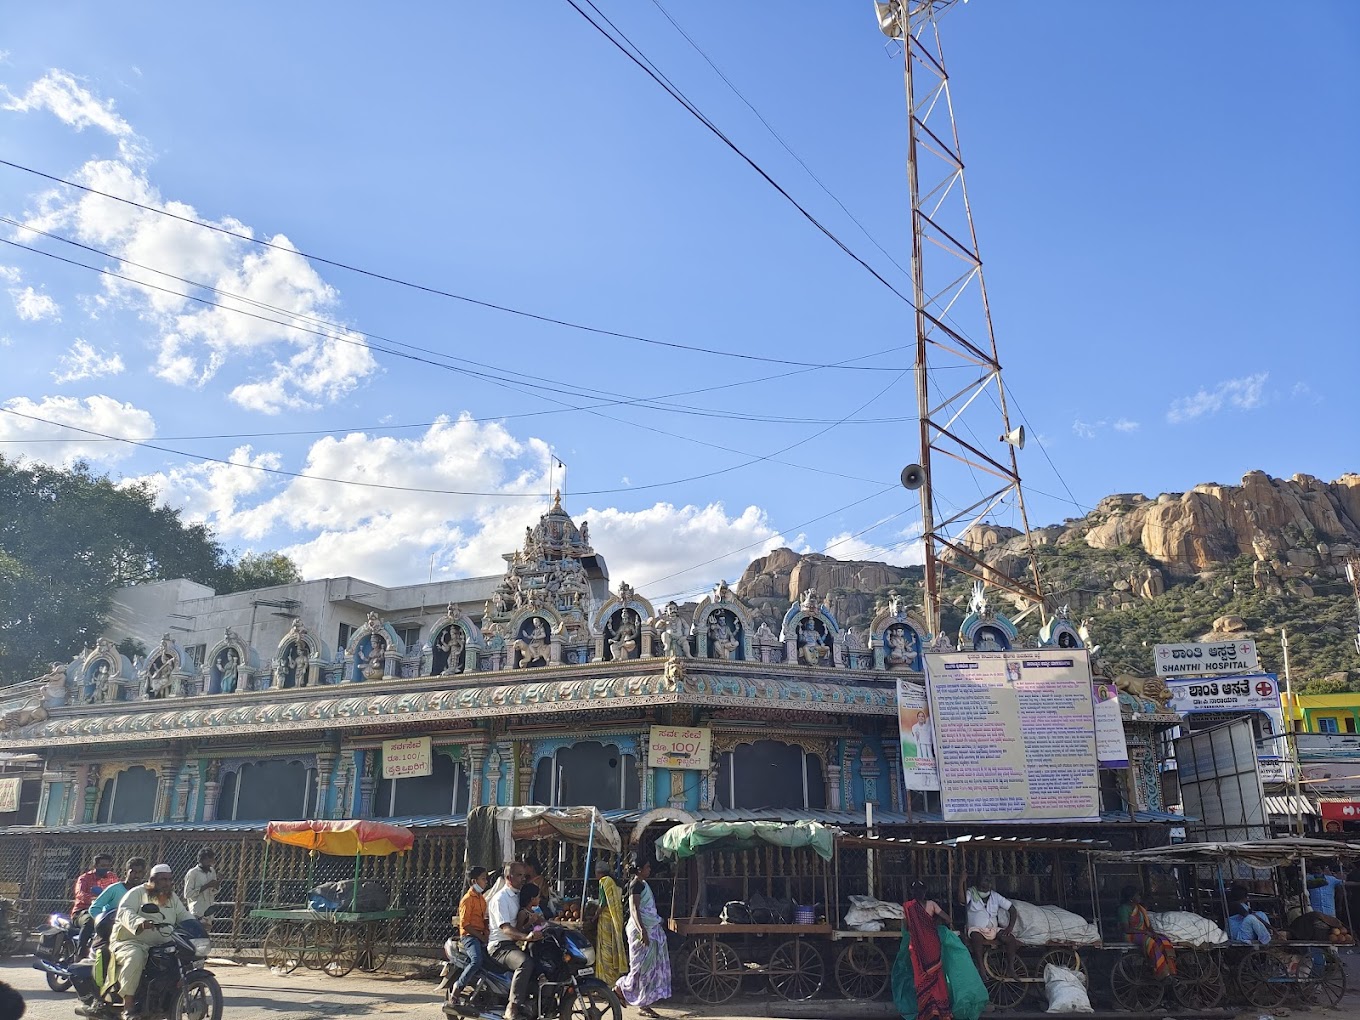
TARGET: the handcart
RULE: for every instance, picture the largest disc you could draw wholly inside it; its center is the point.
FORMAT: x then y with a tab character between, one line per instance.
335	941
719	953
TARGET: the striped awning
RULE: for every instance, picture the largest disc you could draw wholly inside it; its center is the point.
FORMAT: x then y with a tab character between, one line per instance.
1290	806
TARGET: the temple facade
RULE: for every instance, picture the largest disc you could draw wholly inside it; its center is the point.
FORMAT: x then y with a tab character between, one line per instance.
538	686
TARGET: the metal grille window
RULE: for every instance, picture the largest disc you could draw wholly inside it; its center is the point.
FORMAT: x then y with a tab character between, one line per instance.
769	774
443	792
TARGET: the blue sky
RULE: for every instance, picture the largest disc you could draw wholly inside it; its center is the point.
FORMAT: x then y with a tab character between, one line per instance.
1165	205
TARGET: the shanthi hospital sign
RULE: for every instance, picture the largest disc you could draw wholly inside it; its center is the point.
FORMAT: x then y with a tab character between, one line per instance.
1206	658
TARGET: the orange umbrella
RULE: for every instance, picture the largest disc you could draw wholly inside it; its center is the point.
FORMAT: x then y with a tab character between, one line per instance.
343	838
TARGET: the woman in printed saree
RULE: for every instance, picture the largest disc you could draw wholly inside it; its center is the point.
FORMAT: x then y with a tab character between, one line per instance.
611	952
649	964
922	916
1138	930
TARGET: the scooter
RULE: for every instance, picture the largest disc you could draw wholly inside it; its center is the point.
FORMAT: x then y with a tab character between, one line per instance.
566	985
64	941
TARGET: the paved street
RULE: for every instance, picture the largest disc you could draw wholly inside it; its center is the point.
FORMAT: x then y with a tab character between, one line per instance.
254	993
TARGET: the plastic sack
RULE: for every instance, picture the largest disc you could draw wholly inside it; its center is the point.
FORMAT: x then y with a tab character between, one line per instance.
1038	926
1066	990
1191	929
340	896
967	994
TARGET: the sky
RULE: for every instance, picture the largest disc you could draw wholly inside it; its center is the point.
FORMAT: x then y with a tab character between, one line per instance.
1165	206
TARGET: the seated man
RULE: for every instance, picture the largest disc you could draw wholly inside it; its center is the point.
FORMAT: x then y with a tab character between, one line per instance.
502	911
1247	925
986	910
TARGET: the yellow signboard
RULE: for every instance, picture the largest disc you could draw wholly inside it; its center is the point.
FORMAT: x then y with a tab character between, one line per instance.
680	747
406	759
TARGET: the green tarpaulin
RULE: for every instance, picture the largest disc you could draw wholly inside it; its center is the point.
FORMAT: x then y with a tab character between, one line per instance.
967	994
687	840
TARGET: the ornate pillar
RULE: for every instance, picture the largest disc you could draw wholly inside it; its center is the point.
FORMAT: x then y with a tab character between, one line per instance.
91	796
849	753
183	784
165	790
525	773
77	778
644	770
869	771
344	780
367	784
677	798
892	759
475	757
833	786
506	771
212	790
325	776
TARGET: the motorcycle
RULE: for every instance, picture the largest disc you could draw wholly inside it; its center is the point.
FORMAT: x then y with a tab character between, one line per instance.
64	941
175	985
565	983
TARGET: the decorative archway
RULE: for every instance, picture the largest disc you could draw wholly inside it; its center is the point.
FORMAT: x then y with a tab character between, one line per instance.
897	637
620	624
456	644
104	675
297	662
810	633
373	651
534	638
1059	632
229	664
983	630
164	674
722	626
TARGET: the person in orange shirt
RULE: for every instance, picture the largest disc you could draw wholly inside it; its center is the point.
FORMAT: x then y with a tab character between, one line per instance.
473	929
92	883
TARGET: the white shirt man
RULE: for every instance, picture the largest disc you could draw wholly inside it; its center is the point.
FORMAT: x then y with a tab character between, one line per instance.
985	911
201	883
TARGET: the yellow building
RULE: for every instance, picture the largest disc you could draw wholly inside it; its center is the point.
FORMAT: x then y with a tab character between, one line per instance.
1327	713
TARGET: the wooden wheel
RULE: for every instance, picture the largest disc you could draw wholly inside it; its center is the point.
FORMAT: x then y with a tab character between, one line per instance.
346	945
1263	979
862	970
713	971
283	945
1332	982
377	945
1198	983
1006	978
796	970
316	944
1133	984
1068	959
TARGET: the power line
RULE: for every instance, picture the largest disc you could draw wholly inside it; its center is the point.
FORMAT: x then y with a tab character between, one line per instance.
641	60
373	274
777	136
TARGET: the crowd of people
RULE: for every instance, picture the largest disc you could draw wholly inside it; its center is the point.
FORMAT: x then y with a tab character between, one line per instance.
500	922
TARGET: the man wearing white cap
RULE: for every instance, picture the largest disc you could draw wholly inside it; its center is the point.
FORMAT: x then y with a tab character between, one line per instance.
137	930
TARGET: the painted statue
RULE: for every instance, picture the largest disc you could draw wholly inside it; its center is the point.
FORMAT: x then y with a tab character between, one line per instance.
160	673
899	653
812	646
722	635
623	641
229	670
451	645
532	645
671	628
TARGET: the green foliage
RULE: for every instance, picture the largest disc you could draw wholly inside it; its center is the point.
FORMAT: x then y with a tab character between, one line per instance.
259	570
69	538
1334	684
131	648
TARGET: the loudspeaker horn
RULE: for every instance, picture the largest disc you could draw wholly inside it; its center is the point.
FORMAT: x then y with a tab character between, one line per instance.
1016	437
913	476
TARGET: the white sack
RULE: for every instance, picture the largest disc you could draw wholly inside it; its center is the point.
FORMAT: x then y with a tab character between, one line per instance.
1038	926
1066	990
1191	929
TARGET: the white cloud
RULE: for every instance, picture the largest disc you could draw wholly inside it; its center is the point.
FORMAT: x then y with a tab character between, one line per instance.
97	413
82	361
1127	425
279	367
1245	393
211	492
907	550
10	274
33	306
1086	430
71	102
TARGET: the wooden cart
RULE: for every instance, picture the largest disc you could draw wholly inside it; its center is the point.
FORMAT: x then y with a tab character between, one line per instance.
335	941
717	955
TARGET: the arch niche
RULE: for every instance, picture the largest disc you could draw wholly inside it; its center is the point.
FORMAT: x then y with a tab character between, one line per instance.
455	644
229	663
128	796
810	634
755	774
267	788
619	627
533	640
722	626
897	637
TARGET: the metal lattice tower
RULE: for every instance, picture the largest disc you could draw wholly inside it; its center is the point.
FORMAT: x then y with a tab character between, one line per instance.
959	392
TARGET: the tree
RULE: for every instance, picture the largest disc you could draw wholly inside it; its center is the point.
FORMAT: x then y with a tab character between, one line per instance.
1333	683
68	538
259	570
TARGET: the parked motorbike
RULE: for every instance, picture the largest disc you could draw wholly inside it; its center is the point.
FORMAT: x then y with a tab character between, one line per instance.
64	941
175	985
565	987
11	938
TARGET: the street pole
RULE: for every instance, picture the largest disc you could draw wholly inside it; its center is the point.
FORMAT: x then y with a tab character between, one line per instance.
1291	705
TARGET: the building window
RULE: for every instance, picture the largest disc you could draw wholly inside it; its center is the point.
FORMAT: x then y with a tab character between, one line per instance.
1326	724
342	641
196	654
443	792
409	638
130	796
769	774
588	774
264	790
1350	724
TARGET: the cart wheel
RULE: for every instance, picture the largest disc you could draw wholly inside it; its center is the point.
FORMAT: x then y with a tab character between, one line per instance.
1263	979
1133	984
316	944
1068	959
1005	977
1198	983
1332	981
283	945
796	970
377	945
346	946
713	971
862	970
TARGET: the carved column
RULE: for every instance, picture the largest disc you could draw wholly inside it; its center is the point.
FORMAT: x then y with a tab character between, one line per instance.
849	753
325	776
183	785
367	784
475	757
77	778
833	786
165	791
869	771
91	798
892	757
212	790
506	772
677	798
344	778
525	772
644	775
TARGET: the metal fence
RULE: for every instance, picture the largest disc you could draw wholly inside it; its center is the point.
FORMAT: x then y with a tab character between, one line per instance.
39	872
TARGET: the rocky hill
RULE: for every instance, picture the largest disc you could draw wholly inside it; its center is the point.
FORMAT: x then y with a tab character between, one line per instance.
1243	560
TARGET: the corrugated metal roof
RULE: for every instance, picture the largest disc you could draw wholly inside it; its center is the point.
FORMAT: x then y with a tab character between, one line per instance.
1290	806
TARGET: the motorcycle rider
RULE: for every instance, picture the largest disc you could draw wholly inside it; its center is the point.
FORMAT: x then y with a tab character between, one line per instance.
136	932
502	911
135	870
88	887
473	930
